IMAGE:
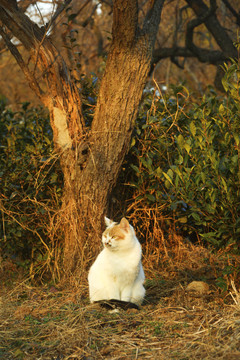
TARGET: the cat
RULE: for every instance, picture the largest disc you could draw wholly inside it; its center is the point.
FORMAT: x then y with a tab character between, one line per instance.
117	273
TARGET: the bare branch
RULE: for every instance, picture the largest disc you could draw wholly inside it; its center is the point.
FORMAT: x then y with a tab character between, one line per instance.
9	3
109	3
152	19
89	18
24	4
193	24
20	25
233	11
47	59
99	37
57	13
214	27
29	76
207	56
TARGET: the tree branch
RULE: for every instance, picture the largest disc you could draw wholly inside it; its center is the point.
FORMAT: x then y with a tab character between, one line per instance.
46	58
192	25
232	10
24	4
57	13
20	25
9	4
29	76
214	27
152	19
207	56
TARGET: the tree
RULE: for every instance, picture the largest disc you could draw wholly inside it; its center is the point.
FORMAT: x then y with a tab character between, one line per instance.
90	157
211	18
194	40
192	31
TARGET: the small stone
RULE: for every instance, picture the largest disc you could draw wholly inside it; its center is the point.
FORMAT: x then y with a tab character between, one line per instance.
198	287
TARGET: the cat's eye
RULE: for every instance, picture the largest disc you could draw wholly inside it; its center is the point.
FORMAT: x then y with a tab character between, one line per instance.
119	238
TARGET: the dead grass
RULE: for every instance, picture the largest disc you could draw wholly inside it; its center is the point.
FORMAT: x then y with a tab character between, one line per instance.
50	322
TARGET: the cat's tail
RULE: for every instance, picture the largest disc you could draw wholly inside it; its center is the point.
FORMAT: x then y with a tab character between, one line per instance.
116	304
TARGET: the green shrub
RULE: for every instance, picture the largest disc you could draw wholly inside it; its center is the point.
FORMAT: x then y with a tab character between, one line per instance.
187	161
30	183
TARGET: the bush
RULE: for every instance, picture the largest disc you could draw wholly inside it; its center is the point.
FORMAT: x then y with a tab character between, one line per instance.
187	161
30	183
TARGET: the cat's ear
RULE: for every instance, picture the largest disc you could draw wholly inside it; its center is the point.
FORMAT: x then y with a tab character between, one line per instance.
108	221
124	224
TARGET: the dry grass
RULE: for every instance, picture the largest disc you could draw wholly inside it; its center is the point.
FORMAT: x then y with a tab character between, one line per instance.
50	322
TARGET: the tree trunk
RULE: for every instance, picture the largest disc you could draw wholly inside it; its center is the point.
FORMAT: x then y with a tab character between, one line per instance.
120	93
90	159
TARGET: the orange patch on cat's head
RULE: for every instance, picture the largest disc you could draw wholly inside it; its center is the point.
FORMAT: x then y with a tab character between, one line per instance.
115	232
118	231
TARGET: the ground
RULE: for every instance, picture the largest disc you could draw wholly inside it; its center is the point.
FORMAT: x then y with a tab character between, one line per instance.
55	322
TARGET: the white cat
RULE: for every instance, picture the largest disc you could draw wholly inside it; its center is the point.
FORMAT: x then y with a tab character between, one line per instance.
117	272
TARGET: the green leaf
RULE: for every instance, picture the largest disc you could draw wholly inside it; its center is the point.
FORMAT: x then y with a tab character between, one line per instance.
222	284
178	172
196	216
211	237
167	177
221	109
203	177
224	185
167	184
170	173
193	129
54	177
135	168
133	142
187	147
183	220
180	160
236	138
158	172
151	197
180	140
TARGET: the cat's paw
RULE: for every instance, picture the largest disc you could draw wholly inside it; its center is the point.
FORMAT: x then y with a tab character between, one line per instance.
114	311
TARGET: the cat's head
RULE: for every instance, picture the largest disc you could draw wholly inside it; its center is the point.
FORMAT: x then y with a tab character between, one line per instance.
117	236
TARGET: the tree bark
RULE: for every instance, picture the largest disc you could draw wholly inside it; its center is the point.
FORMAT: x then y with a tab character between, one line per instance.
90	159
121	89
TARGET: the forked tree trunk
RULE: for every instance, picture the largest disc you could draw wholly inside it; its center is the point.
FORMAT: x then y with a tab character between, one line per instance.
90	159
120	94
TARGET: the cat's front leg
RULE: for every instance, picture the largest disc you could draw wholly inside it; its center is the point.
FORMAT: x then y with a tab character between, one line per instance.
113	293
138	293
126	293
